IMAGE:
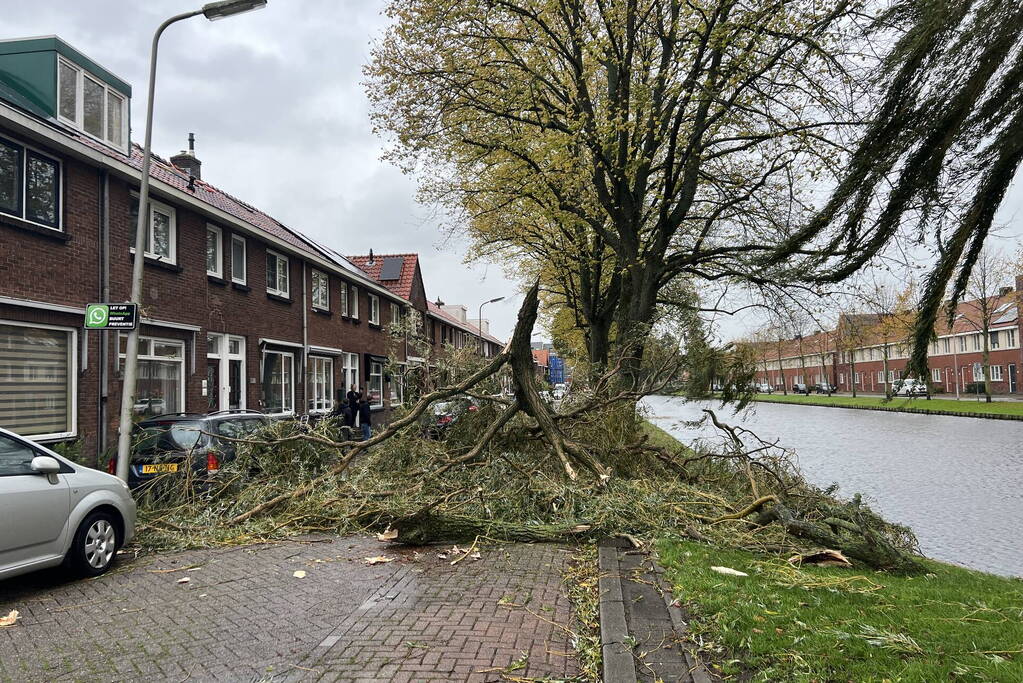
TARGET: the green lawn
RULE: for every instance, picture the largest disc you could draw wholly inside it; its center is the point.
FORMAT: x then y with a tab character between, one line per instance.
971	406
828	624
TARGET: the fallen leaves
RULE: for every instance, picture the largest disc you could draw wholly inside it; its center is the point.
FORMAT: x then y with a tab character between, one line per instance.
379	559
388	534
11	618
299	574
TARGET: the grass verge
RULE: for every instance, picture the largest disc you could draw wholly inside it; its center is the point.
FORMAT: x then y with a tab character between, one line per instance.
781	623
909	405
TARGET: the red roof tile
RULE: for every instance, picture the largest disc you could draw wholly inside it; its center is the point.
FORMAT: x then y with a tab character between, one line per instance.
403	285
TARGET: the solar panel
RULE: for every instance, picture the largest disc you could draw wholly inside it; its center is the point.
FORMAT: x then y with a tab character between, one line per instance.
391	270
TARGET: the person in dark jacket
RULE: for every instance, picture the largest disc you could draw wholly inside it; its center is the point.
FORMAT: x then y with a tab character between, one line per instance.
365	417
353	397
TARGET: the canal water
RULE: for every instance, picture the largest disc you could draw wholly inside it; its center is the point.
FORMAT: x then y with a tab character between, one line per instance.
956	481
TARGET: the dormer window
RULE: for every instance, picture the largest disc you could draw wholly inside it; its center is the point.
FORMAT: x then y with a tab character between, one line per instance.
90	105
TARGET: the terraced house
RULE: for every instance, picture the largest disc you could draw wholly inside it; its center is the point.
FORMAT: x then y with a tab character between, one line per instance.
239	310
869	353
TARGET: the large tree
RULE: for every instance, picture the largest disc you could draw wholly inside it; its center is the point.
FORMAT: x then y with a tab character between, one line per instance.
638	140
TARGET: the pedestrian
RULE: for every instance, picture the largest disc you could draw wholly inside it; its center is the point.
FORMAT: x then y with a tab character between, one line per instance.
347	413
353	397
365	416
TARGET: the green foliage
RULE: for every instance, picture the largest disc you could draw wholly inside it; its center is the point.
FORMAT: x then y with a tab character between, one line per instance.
831	624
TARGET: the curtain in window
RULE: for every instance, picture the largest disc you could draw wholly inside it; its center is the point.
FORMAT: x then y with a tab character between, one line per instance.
35	383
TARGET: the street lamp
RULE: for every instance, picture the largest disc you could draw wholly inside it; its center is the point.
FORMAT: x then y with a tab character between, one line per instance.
212	11
479	320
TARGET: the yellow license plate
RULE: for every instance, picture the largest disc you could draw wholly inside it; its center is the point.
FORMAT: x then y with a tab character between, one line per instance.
160	468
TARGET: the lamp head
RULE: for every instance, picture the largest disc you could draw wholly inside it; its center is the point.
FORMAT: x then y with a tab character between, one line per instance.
228	8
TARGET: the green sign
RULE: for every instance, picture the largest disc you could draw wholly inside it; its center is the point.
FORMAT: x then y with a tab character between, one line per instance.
111	316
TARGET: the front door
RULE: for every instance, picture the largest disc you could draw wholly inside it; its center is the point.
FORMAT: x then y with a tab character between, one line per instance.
212	384
1012	378
225	372
34	507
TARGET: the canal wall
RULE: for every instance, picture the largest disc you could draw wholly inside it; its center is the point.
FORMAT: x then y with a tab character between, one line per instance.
890	409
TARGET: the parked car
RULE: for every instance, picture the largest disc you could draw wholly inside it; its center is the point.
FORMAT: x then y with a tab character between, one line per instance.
58	512
559	391
187	443
149	406
764	388
909	387
800	389
824	388
441	416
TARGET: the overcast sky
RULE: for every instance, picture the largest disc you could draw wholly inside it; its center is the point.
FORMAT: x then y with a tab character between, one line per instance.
281	121
276	101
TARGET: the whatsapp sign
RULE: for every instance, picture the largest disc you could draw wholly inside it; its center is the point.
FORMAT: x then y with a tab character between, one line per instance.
111	316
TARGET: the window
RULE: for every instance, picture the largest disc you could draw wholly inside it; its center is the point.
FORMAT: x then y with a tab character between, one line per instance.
395	315
278	382
996	373
978	372
994	340
976	341
374	309
321	291
343	296
161	237
276	273
214	251
15	457
1011	342
880	376
29	185
319	384
376	384
353	302
350	374
936	374
238	259
37	380
90	105
947	345
891	375
398	385
160	387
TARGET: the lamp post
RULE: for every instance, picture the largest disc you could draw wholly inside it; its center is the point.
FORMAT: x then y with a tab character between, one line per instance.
479	320
212	11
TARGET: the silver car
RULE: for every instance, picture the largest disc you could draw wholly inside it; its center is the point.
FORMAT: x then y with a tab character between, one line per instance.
56	512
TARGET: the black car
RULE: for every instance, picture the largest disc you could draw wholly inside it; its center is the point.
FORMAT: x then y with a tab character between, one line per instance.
800	389
182	443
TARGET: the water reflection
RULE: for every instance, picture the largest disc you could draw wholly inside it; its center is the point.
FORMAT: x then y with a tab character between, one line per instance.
958	482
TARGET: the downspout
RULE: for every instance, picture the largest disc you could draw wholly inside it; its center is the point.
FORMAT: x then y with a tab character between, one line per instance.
104	296
305	338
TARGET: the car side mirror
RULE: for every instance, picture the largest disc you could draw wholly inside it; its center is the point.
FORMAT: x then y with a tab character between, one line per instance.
44	464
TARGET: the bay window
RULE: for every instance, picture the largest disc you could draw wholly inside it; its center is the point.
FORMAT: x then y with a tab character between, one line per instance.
37	380
321	291
29	185
161	233
319	384
278	382
276	274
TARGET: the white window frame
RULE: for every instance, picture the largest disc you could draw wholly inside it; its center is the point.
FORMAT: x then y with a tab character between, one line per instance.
172	224
350	370
218	271
1012	339
79	121
25	149
398	385
72	351
319	404
151	357
996	372
374	309
993	339
289	408
978	372
891	375
880	376
353	302
277	290
321	303
343	296
238	239
379	374
936	375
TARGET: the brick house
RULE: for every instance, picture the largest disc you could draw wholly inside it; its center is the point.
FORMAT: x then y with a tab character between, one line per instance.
239	311
854	353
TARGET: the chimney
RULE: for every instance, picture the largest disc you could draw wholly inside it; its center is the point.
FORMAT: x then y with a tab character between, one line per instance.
370	261
187	161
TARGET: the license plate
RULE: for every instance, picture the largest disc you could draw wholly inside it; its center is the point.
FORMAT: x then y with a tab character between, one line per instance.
160	468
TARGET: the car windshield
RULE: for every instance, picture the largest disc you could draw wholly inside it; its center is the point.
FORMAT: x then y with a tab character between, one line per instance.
169	436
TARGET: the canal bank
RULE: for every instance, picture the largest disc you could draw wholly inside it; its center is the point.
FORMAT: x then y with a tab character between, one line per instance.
996	410
957	482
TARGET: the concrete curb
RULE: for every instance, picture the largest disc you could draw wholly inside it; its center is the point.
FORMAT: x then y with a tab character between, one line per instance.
886	409
619	666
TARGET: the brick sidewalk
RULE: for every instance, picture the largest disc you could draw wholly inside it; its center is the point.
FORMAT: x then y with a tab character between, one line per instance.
243	616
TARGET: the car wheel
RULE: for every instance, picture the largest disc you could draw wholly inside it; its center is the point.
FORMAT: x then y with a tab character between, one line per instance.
94	546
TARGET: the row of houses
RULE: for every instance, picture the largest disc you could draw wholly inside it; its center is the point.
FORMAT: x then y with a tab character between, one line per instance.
864	352
239	310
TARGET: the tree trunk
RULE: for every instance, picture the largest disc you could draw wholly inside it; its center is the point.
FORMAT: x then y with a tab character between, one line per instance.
986	359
